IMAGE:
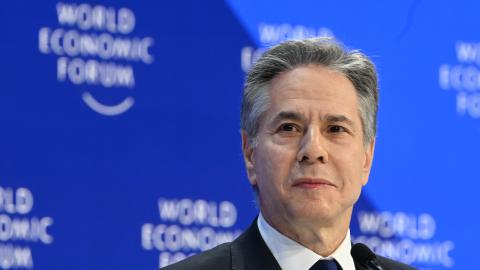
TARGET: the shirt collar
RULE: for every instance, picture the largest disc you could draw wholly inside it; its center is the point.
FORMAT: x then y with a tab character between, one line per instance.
291	255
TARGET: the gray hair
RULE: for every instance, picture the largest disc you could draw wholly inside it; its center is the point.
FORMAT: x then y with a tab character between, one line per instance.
327	52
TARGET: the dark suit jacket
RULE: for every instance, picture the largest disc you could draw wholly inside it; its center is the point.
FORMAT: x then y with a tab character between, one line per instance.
249	252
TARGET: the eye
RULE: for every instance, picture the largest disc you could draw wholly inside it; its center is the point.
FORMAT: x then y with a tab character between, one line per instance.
288	127
336	129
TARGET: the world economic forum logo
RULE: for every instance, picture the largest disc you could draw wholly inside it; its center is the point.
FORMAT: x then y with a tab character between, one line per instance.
463	78
96	48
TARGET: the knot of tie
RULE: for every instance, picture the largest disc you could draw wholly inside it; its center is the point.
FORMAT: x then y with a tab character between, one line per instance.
326	265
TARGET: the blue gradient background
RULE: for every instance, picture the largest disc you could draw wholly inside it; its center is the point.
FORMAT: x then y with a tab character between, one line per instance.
99	177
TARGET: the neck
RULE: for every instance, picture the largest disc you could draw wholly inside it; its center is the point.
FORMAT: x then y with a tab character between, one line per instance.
321	237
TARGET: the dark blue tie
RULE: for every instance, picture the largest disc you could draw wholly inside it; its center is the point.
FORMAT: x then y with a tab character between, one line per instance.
326	265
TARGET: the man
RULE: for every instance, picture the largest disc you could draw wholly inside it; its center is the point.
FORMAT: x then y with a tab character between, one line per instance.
308	136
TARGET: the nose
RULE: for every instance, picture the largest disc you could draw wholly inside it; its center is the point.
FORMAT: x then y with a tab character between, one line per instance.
312	148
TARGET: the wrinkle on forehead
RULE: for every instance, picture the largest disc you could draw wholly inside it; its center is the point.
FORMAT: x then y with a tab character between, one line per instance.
298	77
313	93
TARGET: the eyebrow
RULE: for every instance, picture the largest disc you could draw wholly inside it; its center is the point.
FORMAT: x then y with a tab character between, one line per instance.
335	118
338	118
287	115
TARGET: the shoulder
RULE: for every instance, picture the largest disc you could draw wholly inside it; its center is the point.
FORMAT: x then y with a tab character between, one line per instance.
216	258
393	265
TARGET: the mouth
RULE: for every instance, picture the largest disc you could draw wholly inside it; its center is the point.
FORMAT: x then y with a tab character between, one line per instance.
312	183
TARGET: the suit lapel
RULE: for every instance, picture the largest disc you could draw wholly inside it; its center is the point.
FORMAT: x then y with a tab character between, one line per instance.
359	266
249	252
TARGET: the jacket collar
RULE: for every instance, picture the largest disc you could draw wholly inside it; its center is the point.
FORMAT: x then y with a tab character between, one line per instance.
249	251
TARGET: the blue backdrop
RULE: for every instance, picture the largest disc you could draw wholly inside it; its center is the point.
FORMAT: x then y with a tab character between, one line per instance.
120	144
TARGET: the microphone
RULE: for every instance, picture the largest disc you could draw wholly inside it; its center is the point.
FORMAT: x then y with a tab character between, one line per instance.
362	254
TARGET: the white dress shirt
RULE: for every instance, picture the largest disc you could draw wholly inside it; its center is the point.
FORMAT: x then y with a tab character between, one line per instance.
291	255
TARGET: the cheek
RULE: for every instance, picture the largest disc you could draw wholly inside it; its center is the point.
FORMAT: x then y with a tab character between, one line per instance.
349	174
349	166
273	164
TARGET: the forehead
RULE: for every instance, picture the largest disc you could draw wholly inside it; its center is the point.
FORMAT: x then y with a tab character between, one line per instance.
314	89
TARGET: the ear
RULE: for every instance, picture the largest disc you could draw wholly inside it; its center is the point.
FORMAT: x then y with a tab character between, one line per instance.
367	164
248	158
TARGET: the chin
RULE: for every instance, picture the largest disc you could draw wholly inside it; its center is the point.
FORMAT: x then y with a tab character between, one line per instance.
305	213
320	212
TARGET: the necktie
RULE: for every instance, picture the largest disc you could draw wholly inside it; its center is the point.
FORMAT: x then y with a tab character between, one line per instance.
326	265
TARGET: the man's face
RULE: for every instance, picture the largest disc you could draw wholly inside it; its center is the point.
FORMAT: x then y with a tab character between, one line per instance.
310	162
